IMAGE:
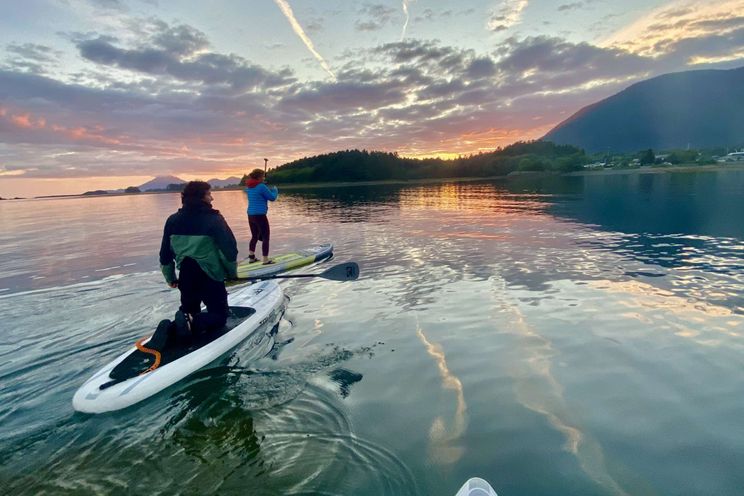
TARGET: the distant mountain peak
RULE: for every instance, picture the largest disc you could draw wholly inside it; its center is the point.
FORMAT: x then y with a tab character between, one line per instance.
701	109
160	182
221	183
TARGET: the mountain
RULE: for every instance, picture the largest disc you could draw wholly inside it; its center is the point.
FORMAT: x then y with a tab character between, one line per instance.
702	109
221	183
160	182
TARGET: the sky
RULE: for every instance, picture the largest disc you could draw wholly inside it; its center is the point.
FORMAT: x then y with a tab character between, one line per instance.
104	94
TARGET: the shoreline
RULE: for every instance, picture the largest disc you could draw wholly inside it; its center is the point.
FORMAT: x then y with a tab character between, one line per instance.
660	170
513	175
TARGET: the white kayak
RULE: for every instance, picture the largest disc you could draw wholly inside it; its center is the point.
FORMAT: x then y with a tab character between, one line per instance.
476	486
255	310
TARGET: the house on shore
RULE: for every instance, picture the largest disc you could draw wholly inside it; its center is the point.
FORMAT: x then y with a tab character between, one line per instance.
731	157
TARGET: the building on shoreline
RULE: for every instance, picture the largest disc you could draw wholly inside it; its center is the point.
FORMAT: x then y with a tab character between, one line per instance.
731	157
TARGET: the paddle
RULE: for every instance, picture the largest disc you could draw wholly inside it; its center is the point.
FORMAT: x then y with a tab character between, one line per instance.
348	271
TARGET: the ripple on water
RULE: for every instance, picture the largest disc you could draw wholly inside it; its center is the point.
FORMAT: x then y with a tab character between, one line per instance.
326	453
225	428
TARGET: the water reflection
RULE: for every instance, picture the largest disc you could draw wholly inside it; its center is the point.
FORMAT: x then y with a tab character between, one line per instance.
594	352
695	203
686	225
445	443
346	204
537	389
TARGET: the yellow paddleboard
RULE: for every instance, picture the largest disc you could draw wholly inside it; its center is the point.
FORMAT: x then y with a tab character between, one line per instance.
285	262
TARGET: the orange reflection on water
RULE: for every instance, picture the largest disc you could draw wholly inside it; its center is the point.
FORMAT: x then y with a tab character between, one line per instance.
690	312
658	298
470	211
470	197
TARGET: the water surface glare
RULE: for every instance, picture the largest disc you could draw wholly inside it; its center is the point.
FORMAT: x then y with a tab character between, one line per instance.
565	335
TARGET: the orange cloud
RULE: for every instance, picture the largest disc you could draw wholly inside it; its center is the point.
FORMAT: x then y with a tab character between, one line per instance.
25	121
28	121
656	31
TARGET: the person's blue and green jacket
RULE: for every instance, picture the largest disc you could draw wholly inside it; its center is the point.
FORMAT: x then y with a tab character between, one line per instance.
200	232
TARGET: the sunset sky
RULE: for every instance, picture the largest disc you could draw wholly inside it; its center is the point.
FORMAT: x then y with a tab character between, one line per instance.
109	93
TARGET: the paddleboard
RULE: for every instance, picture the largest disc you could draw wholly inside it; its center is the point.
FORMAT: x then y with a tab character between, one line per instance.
476	486
255	312
285	262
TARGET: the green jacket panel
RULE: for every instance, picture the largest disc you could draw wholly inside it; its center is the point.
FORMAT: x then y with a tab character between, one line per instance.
201	233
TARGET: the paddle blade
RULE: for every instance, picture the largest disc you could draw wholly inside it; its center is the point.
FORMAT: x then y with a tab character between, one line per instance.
348	271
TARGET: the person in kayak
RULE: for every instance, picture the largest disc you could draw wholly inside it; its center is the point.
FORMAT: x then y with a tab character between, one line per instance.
258	197
198	241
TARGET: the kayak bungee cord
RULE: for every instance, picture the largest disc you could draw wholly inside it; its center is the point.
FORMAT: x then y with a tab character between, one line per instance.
149	351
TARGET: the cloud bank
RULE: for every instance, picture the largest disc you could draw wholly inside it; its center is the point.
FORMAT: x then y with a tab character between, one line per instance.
168	102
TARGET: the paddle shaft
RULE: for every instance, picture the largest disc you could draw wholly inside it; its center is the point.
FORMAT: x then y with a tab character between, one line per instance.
290	276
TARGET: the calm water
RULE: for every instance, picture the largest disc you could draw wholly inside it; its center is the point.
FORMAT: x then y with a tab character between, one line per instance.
577	335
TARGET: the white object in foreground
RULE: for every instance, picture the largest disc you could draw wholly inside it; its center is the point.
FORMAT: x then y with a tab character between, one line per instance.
266	298
476	487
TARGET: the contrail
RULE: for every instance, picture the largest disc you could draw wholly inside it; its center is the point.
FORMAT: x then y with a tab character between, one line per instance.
287	10
405	11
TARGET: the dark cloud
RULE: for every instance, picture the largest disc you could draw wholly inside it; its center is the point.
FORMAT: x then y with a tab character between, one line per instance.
116	5
420	52
179	40
368	25
432	15
680	52
195	109
314	25
35	52
345	96
178	52
375	17
31	57
553	59
570	6
428	15
437	90
149	60
716	25
673	13
481	67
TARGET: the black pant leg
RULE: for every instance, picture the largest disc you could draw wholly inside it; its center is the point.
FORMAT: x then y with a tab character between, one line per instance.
214	296
190	281
197	287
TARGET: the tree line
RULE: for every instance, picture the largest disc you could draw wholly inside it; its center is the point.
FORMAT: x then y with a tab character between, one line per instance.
363	165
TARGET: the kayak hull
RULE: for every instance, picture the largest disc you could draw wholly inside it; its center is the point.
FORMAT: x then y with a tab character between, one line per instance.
255	333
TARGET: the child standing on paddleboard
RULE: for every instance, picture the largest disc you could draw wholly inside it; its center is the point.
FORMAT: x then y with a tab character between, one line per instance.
258	197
